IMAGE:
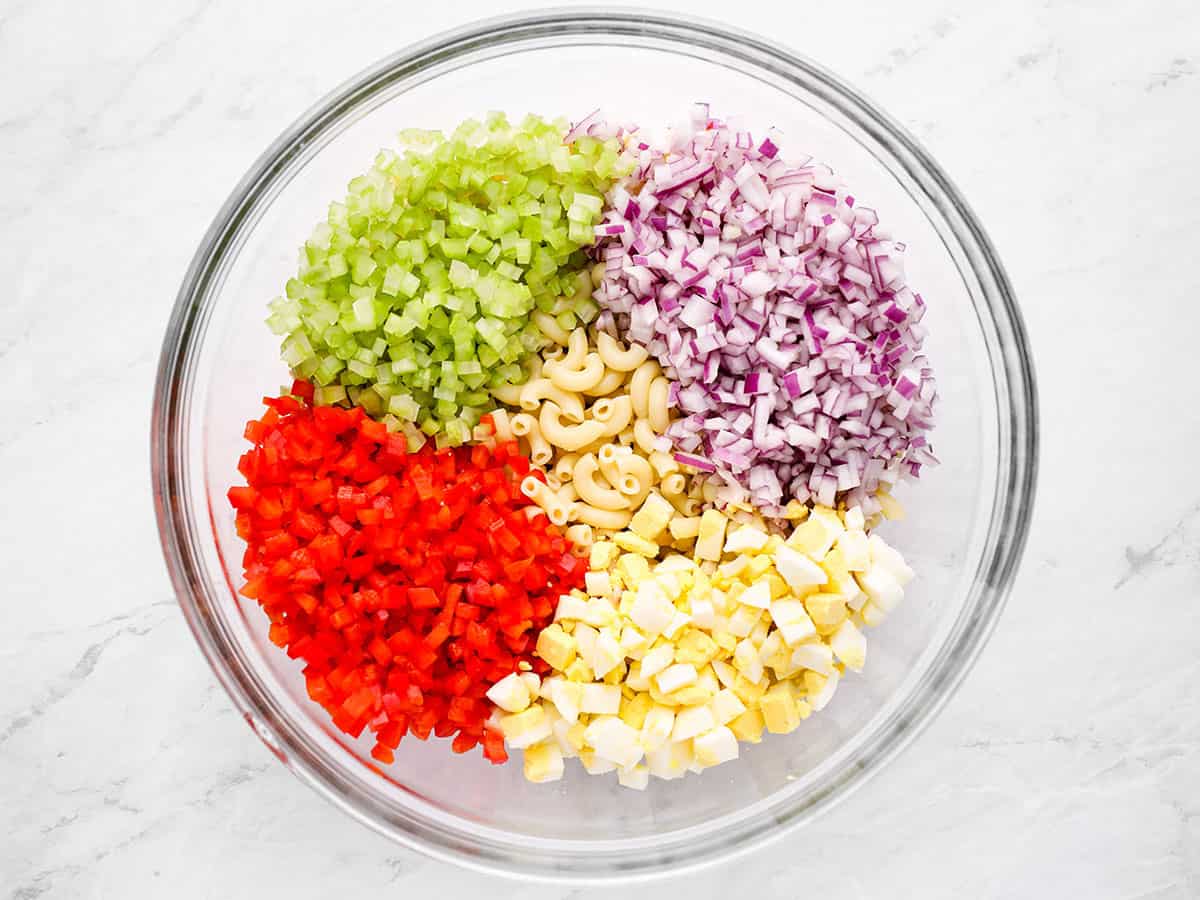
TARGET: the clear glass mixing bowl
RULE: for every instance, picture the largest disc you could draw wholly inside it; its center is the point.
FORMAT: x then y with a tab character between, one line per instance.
967	519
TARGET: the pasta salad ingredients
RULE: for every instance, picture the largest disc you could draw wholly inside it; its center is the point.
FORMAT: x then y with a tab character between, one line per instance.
409	583
586	444
415	296
781	307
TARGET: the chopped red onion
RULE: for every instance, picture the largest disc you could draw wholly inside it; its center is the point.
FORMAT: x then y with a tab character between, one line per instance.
696	462
780	308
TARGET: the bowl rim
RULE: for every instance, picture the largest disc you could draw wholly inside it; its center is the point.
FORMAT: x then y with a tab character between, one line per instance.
1017	438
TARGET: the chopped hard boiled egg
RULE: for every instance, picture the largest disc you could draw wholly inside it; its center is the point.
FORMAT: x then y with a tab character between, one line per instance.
510	693
666	660
715	747
543	762
526	728
653	516
603	699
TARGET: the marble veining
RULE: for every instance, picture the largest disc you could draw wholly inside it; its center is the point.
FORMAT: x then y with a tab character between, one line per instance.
1069	763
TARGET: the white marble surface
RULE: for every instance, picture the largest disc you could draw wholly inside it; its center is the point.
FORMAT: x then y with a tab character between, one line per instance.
1068	765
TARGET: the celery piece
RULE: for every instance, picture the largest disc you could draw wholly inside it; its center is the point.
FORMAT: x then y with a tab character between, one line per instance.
454	248
329	395
403	406
392	279
364	314
307	369
361	369
297	349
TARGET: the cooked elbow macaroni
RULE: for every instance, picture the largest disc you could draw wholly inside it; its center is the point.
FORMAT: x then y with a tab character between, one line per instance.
564	467
639	387
526	426
592	415
610	382
567	437
645	437
502	425
615	358
590	491
534	391
509	394
580	536
549	326
575	378
674	484
656	404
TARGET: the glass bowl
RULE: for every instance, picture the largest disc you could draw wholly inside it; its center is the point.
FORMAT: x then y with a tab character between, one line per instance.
966	521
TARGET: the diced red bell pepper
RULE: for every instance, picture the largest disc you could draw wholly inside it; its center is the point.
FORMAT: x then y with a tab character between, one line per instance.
408	582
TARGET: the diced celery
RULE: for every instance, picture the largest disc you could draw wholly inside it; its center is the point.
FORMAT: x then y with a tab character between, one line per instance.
337	265
364	314
586	309
297	349
488	358
454	248
473	398
416	290
409	285
328	395
392	280
508	270
403	406
461	275
307	368
279	324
